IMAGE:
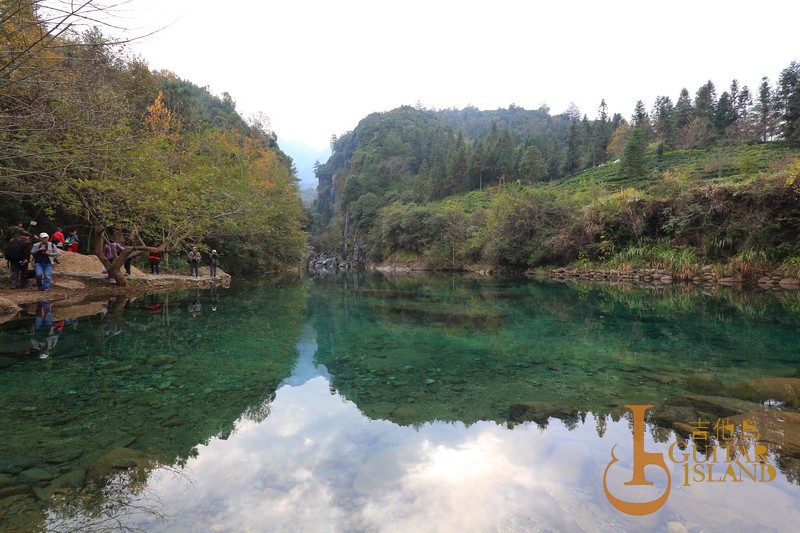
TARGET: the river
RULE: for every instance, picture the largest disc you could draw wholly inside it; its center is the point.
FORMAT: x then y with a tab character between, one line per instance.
410	403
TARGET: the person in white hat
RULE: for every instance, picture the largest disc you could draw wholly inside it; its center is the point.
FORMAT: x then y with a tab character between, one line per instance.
44	255
213	264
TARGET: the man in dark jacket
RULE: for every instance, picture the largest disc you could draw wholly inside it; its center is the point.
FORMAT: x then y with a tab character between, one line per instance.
18	264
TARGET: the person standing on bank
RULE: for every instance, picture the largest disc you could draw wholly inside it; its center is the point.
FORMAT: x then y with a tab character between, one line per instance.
194	261
58	238
44	255
214	259
127	241
18	253
155	261
72	242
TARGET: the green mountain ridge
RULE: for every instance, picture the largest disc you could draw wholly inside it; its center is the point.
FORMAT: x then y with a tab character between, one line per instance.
706	179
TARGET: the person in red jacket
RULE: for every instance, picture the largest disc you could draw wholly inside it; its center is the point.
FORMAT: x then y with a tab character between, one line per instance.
155	260
57	238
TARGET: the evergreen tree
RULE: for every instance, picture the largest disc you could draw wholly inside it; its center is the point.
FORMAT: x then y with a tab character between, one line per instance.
664	122
733	93
553	160
458	167
763	110
787	103
683	109
743	129
724	114
616	121
705	102
585	142
572	154
601	135
479	166
532	166
633	158
640	117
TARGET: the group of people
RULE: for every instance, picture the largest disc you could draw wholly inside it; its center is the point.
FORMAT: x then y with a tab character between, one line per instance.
21	251
194	262
111	249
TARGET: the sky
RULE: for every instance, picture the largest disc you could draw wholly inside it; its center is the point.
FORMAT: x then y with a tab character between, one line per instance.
316	68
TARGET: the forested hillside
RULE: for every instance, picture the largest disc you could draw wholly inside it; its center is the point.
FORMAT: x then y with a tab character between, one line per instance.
705	178
90	138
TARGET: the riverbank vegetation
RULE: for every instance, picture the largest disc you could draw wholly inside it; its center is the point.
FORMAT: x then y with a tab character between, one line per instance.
705	180
91	138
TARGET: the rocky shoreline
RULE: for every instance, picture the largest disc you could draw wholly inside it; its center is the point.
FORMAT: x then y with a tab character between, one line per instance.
707	277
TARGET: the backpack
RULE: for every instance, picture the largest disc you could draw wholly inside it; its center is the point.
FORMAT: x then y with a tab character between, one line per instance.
15	250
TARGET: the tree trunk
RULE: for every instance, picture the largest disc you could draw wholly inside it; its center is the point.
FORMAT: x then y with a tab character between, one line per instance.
112	269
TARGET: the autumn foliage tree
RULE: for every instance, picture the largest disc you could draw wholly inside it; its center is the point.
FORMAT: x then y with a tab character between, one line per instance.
92	135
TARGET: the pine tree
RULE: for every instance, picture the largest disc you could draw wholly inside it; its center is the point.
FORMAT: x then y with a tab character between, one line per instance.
532	166
601	135
683	109
724	114
633	158
664	122
705	102
640	115
572	155
788	103
764	111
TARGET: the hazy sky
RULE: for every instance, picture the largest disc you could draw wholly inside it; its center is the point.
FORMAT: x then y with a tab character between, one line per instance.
318	67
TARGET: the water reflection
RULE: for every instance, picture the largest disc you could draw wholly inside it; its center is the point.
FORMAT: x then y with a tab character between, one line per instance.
414	404
140	384
316	463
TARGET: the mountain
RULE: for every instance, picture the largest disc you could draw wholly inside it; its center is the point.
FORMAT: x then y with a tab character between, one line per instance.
304	157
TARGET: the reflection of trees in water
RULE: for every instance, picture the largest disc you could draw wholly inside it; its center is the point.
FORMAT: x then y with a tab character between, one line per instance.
163	385
259	412
124	499
785	457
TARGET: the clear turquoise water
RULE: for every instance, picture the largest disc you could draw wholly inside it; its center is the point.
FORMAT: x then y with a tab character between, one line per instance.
373	403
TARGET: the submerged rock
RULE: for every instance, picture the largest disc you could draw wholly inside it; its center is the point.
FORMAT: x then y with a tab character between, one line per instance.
784	390
781	429
704	384
539	412
405	414
7	492
114	461
37	474
713	406
14	465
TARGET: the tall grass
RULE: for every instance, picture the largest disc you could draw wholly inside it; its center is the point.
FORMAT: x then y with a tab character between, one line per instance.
748	264
681	260
790	267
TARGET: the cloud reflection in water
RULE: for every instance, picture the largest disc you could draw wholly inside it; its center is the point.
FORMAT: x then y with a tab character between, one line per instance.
318	464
